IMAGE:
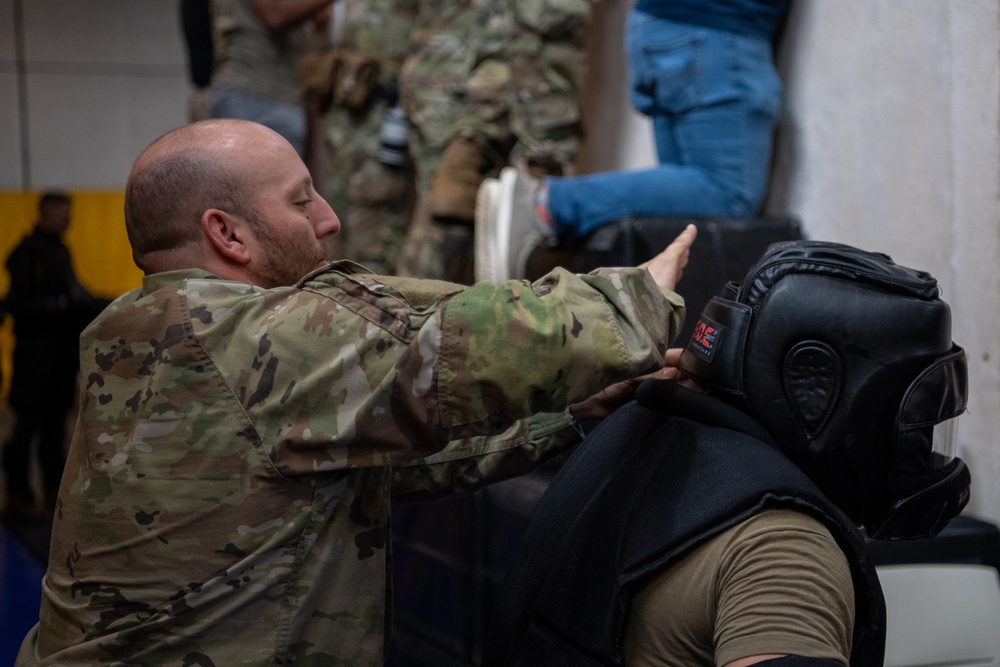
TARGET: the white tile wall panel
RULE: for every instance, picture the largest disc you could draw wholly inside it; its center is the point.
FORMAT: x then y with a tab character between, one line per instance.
143	32
10	133
6	33
85	131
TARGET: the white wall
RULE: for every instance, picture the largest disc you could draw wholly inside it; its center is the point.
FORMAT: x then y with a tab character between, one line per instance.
101	79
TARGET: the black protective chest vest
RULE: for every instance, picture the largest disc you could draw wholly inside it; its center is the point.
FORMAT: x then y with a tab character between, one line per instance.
644	488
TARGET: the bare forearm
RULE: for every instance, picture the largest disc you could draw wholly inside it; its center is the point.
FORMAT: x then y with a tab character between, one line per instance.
276	14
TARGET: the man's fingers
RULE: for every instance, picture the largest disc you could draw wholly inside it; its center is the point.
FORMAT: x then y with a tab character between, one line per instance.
682	244
681	248
667	267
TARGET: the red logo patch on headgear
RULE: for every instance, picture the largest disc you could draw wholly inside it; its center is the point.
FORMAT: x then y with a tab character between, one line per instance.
705	338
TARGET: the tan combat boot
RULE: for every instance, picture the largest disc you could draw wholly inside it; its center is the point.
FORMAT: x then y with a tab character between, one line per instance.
454	188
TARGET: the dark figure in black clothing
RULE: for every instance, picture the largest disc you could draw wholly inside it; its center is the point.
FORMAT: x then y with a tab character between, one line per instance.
196	26
50	308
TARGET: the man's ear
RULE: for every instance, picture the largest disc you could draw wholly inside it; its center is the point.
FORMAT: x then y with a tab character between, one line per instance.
226	234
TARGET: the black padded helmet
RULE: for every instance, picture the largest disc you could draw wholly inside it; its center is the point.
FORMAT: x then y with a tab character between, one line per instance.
846	359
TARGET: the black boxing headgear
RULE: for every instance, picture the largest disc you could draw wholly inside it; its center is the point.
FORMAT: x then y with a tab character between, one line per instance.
846	359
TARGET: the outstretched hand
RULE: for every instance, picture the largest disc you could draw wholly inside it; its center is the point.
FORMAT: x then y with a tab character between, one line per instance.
668	267
666	270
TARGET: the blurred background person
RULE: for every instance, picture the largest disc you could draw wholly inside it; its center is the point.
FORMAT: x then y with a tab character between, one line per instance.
423	99
50	308
196	27
369	176
487	83
703	72
258	44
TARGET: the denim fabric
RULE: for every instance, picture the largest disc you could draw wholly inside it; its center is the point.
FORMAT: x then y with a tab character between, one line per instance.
288	120
750	17
713	97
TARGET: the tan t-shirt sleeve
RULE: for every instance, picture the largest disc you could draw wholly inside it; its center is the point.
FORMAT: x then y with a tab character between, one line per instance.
776	583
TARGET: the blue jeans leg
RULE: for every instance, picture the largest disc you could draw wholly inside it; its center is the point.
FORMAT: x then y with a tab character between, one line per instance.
288	120
713	98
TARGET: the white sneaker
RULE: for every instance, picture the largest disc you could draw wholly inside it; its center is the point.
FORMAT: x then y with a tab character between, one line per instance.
484	255
506	228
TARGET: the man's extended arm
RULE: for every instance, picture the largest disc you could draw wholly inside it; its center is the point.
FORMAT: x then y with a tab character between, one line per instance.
471	462
376	370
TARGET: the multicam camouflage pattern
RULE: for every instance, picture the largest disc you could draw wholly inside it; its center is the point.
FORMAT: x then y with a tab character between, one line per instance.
505	73
381	29
374	201
548	57
226	497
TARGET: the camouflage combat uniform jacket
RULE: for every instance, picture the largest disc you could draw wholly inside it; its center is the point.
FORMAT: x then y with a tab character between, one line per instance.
226	498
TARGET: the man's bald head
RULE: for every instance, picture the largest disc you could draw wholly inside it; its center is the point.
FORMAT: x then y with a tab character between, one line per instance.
182	174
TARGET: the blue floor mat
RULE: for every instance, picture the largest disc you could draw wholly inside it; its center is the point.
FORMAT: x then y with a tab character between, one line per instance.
20	592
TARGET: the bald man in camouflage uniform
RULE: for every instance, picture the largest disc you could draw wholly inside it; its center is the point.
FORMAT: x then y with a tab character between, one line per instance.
226	497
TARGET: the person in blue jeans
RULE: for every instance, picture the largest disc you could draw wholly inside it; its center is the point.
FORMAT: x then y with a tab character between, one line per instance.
257	45
703	72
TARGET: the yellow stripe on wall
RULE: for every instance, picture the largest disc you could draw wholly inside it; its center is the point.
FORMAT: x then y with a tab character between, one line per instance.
96	238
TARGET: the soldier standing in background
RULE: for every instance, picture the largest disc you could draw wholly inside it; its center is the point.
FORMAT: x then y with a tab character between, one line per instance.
50	307
196	27
369	179
257	47
482	82
487	82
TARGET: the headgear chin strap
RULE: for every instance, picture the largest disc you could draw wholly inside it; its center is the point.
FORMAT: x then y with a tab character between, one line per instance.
846	358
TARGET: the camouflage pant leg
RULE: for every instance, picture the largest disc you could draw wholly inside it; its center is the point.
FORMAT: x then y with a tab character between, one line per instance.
381	27
464	54
547	54
374	201
449	89
505	73
433	84
421	253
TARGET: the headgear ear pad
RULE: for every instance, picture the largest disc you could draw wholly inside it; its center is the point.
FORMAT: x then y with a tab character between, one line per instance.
819	344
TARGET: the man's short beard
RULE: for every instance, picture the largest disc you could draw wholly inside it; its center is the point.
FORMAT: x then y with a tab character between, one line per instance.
284	264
